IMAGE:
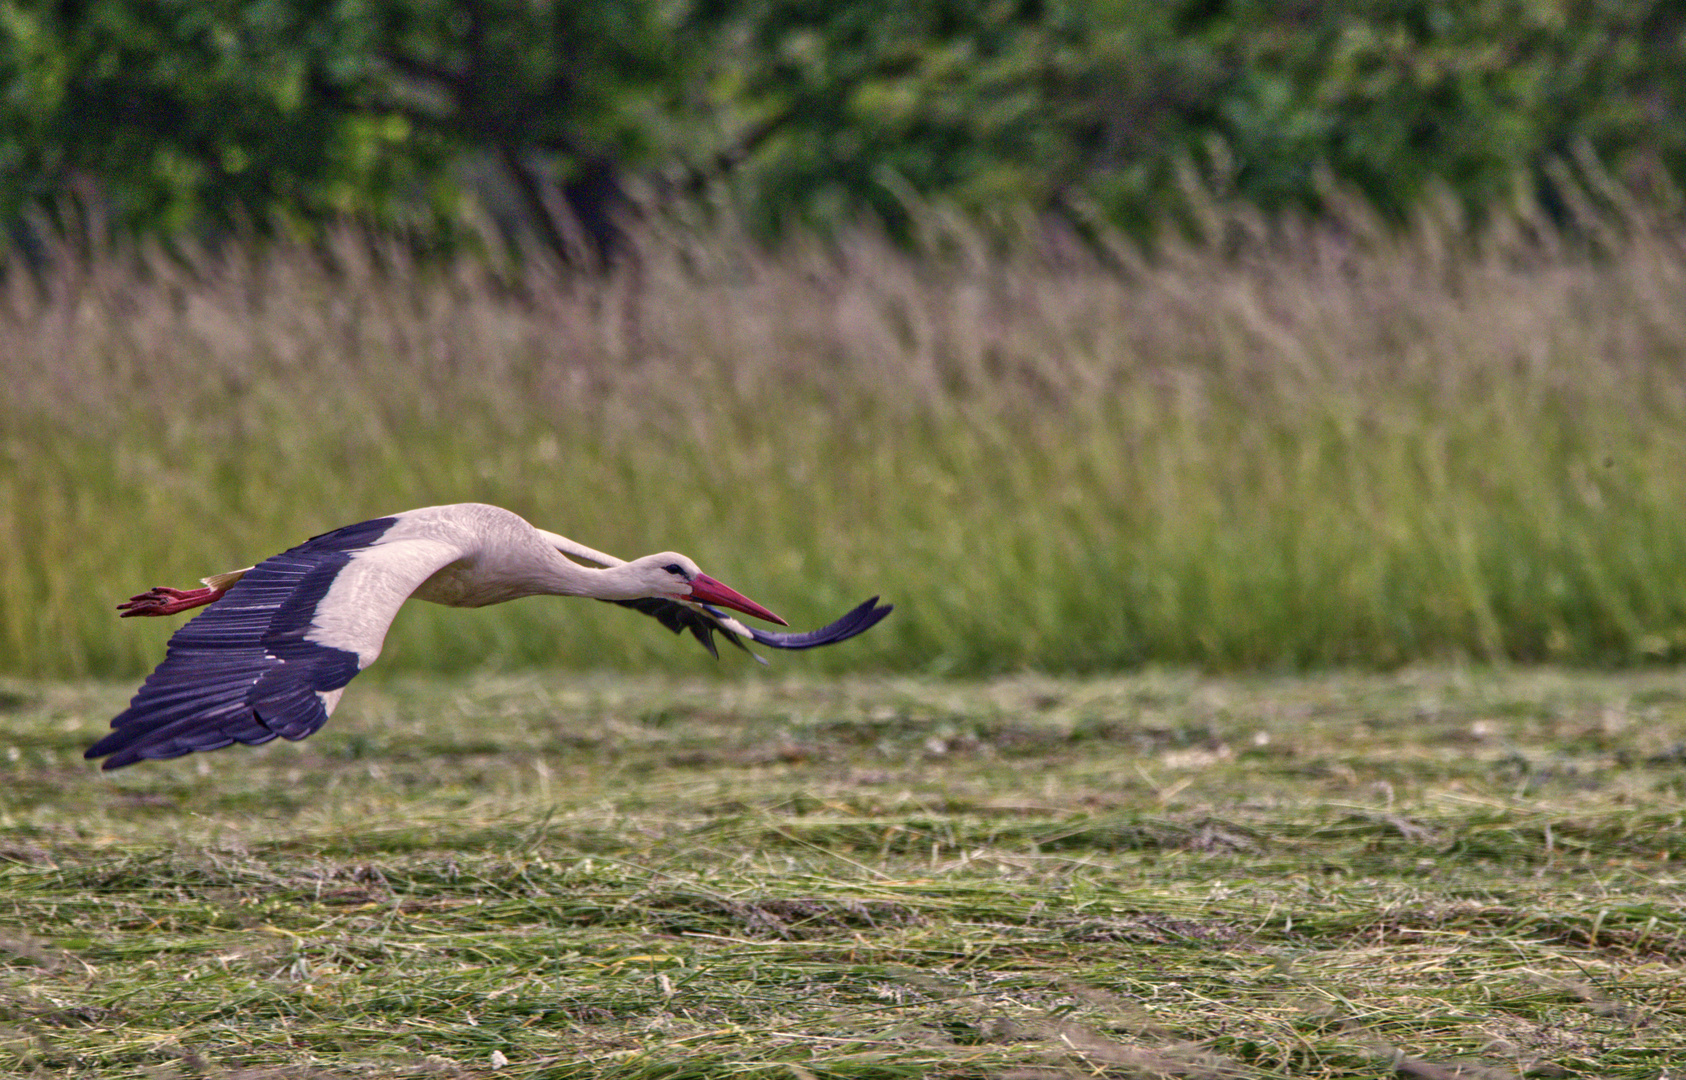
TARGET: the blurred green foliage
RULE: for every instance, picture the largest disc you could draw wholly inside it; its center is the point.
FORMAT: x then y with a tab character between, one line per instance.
265	113
1106	101
225	112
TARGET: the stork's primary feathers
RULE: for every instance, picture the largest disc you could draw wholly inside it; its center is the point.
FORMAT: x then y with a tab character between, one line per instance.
280	640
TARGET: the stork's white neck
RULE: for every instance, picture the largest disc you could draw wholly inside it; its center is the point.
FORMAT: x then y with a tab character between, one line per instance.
500	557
628	581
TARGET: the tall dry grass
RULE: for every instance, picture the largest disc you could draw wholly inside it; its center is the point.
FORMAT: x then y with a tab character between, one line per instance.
1285	446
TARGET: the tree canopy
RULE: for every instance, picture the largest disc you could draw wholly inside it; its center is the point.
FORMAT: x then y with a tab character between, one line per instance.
210	114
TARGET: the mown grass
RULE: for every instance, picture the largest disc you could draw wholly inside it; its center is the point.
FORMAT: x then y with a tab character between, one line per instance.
1429	875
1282	449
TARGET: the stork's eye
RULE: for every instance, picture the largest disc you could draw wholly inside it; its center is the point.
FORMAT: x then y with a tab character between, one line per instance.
676	570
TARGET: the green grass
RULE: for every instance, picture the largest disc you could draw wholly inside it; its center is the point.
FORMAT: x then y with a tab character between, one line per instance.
1310	448
1434	874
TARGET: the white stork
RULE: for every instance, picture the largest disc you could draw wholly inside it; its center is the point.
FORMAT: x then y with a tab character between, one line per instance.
280	640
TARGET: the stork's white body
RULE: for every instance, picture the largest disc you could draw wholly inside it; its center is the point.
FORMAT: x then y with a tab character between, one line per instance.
273	656
464	555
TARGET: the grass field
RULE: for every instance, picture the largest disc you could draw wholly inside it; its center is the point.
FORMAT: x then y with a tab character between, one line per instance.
1433	874
1286	449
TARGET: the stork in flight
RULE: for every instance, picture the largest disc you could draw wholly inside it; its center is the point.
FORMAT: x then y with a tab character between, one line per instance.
280	640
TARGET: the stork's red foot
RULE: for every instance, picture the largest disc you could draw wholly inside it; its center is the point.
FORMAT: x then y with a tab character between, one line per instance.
163	600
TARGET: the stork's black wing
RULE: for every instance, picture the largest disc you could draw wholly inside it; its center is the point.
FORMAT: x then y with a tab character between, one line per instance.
703	624
679	618
860	619
244	670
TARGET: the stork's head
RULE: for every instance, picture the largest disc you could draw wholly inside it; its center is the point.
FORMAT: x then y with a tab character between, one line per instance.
672	576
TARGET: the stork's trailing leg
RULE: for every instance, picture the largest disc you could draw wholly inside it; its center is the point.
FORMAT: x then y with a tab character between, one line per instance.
163	600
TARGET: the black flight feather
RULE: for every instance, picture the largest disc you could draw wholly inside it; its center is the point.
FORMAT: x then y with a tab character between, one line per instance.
243	671
679	617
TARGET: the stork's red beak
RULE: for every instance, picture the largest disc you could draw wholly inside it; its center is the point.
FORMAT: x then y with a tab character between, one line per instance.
705	590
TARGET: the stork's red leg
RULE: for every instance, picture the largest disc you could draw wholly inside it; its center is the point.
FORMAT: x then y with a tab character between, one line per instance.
163	600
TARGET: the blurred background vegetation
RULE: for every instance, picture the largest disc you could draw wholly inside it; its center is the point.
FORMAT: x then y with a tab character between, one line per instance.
1093	335
415	114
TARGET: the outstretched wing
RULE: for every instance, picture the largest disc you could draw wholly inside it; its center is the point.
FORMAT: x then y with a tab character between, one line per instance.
272	655
861	618
703	620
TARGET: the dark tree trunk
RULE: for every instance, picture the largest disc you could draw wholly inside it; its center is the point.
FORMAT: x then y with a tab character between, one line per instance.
596	199
532	197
